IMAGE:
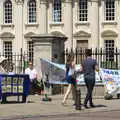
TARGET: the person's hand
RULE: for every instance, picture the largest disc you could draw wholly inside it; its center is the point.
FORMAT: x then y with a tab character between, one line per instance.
31	80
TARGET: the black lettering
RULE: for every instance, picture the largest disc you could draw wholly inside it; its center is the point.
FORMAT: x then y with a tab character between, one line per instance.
116	73
107	72
111	72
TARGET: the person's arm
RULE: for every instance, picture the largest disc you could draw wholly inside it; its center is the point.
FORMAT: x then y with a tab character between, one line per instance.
73	65
35	73
81	67
26	71
96	68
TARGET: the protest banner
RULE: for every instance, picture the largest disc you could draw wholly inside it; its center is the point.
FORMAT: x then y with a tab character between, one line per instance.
111	80
56	73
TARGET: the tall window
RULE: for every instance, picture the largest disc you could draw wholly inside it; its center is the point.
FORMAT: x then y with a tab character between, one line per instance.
109	48
83	10
110	10
32	11
7	48
7	11
57	11
30	50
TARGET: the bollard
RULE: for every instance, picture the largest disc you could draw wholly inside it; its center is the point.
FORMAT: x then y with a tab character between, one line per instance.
78	100
118	95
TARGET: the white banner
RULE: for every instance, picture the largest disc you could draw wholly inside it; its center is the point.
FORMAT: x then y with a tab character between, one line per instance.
56	73
111	80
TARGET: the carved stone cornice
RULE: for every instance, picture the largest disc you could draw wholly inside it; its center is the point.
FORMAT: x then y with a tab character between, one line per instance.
67	1
95	0
19	1
98	1
43	1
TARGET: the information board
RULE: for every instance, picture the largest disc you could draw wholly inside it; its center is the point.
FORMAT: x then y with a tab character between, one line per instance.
14	84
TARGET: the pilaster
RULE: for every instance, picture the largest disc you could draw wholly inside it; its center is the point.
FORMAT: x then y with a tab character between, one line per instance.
19	1
94	24
18	13
67	1
43	2
43	17
68	20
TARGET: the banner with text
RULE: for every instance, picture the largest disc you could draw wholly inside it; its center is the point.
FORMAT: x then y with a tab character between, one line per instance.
111	80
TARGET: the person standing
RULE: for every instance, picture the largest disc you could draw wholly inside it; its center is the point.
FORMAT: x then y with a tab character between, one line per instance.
33	78
88	66
70	80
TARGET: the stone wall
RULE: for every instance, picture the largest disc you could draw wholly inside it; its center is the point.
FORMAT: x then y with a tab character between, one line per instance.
99	90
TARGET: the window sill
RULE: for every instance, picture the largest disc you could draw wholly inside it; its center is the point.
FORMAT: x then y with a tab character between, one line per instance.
8	25
109	23
82	24
56	24
31	25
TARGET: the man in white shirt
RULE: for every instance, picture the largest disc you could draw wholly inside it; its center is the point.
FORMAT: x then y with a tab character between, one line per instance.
33	77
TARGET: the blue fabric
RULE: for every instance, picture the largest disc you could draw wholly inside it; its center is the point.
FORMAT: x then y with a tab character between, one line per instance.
69	78
0	88
26	83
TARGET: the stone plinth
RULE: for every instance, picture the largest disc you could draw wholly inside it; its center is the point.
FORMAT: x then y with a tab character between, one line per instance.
49	47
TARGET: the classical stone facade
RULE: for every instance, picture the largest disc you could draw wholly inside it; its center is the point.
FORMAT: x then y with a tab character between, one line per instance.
86	23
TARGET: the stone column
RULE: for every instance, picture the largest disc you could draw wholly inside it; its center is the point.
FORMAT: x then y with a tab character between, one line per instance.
68	21
95	24
42	49
18	21
43	17
44	46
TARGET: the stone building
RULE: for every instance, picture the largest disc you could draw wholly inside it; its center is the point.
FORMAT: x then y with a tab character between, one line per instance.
86	23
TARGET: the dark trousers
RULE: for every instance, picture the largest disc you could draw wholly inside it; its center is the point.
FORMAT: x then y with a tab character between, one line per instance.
90	83
33	87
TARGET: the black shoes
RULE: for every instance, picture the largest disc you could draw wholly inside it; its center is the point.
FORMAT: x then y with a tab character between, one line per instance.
85	106
92	106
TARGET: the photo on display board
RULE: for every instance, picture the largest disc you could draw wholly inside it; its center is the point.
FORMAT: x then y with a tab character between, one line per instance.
3	81
20	81
15	89
15	80
9	88
9	79
20	89
4	89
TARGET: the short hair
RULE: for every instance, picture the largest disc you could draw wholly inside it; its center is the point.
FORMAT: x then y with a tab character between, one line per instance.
88	52
70	59
30	63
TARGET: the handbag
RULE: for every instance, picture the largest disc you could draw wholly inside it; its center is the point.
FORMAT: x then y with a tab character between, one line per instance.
72	73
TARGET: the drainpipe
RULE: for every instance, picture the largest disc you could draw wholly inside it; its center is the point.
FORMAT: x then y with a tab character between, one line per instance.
22	25
99	25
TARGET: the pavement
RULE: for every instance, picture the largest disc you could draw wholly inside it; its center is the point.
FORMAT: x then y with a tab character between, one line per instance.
35	108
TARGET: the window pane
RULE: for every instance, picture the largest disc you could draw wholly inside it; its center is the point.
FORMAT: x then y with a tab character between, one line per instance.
109	48
32	11
110	10
8	11
7	48
30	50
57	11
83	10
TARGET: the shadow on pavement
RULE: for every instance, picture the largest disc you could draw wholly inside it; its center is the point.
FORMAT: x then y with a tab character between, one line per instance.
15	102
97	106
